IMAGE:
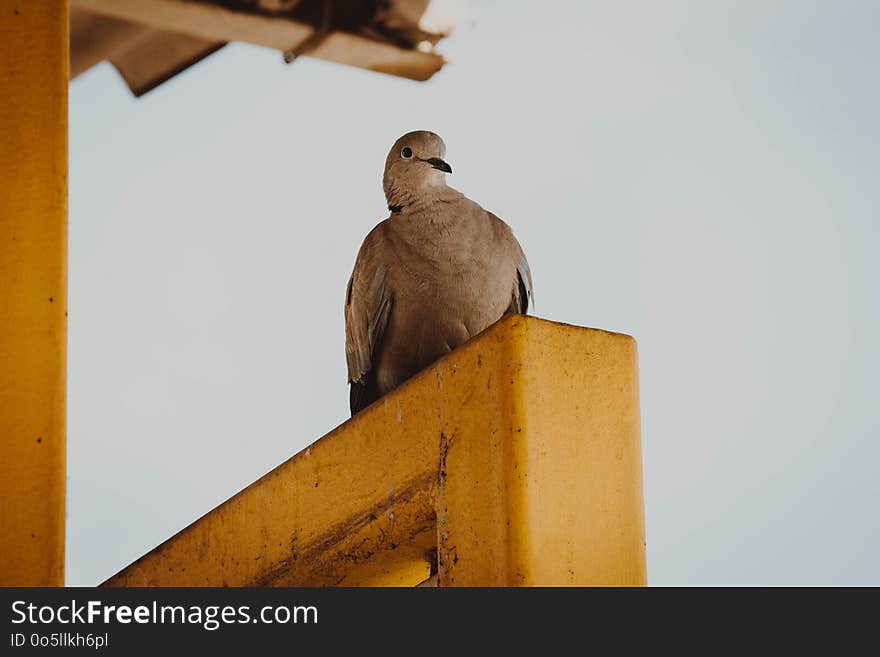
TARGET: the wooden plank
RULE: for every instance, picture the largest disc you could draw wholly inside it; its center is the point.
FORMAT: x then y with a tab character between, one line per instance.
218	24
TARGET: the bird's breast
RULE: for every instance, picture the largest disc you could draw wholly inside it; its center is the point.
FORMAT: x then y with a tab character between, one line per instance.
438	304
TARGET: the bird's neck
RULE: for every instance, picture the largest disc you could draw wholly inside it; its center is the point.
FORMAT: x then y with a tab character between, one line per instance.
411	203
439	227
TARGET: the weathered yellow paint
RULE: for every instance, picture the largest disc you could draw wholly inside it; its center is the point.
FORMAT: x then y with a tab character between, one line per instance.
354	508
541	478
33	289
513	461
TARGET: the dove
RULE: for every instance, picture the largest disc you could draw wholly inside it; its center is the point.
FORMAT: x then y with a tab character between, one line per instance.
438	271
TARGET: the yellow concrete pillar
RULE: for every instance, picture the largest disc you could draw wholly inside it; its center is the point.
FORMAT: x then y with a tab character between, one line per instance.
33	289
540	464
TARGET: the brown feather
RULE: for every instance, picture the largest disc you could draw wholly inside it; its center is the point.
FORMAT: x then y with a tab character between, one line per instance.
428	278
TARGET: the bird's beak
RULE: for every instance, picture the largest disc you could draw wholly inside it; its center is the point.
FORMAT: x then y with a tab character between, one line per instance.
437	163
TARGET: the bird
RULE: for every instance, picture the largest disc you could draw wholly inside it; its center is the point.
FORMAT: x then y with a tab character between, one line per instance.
438	271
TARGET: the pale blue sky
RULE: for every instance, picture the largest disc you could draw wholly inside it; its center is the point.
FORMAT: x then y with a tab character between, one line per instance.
701	175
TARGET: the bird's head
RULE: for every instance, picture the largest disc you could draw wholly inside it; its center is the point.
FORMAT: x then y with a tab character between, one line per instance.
414	167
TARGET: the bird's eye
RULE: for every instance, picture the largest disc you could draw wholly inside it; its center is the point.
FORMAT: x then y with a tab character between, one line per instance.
406	153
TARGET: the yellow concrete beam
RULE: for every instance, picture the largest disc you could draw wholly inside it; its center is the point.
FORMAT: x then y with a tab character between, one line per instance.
541	471
515	460
356	507
33	290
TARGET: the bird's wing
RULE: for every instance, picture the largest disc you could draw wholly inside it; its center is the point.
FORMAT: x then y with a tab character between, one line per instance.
522	296
522	291
367	306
